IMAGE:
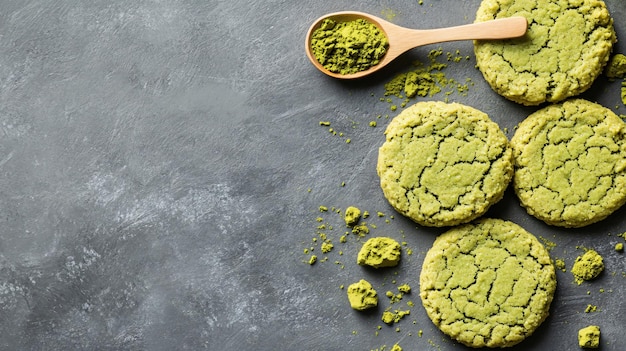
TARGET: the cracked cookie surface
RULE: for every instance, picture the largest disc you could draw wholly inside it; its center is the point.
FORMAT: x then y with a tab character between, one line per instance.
444	164
570	163
487	284
565	49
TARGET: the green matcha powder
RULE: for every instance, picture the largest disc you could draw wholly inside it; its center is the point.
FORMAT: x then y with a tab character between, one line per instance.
348	47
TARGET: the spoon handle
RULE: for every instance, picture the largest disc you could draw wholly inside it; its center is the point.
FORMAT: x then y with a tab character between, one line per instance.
504	28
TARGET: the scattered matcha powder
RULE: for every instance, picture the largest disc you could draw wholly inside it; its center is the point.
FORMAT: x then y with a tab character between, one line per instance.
587	266
348	47
402	290
559	263
360	230
389	14
361	294
591	308
426	81
549	244
391	317
327	247
393	297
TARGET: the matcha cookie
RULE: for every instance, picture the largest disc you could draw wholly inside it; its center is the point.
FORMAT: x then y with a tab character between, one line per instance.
567	45
487	284
444	164
570	163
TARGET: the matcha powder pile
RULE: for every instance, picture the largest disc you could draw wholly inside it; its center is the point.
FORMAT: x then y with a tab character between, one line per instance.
348	47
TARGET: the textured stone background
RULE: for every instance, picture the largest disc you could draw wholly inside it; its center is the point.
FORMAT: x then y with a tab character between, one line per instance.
155	165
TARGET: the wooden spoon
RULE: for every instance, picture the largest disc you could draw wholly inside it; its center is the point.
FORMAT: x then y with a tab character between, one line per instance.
403	39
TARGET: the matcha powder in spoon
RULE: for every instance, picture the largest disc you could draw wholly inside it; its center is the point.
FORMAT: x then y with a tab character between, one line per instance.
348	47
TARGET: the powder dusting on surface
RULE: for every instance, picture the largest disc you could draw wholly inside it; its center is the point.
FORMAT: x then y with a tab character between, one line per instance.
426	80
547	243
389	14
336	232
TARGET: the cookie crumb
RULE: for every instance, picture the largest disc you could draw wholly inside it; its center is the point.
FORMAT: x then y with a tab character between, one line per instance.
559	263
587	267
591	308
379	252
616	68
390	317
352	216
362	295
589	337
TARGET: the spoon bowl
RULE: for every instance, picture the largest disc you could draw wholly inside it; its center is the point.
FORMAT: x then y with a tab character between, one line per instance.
403	39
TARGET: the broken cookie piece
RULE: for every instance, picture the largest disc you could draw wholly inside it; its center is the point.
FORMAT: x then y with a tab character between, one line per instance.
362	295
379	252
